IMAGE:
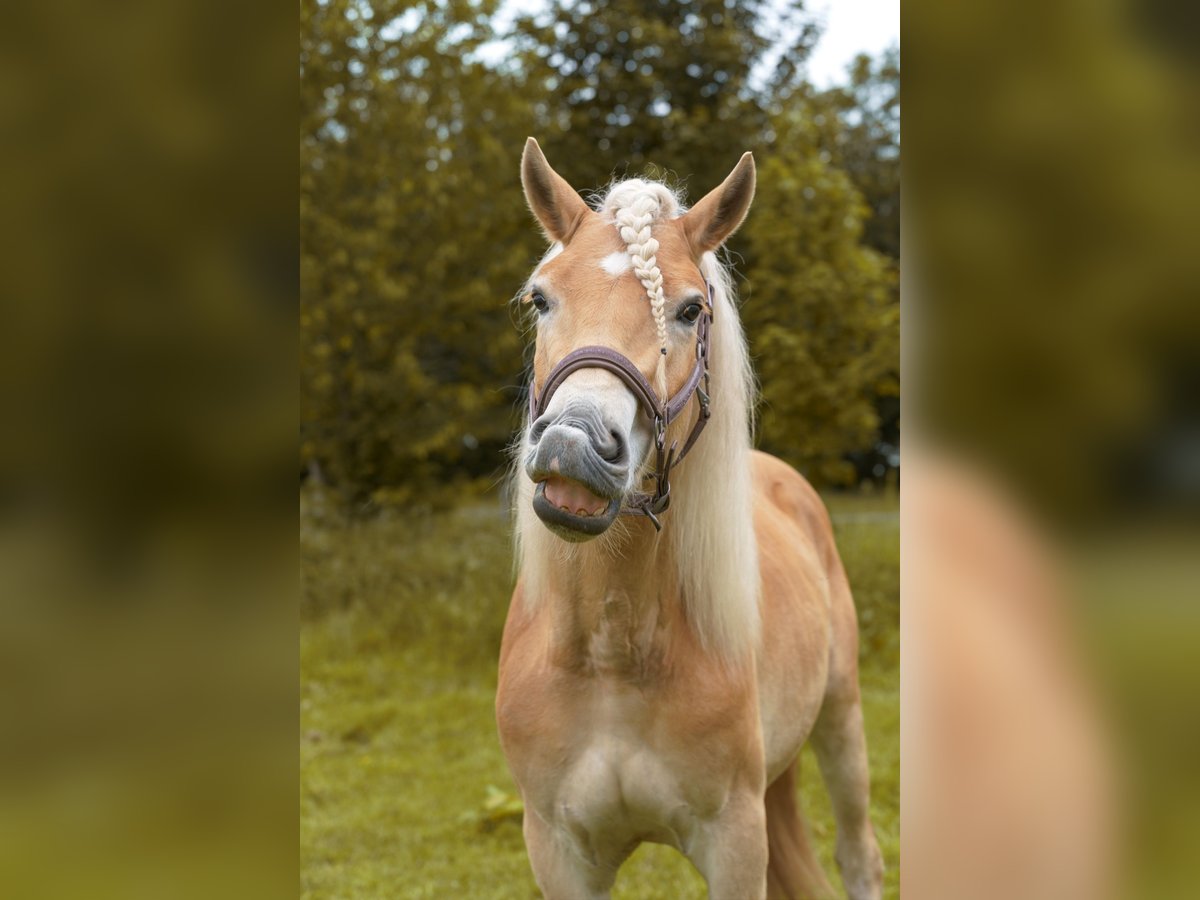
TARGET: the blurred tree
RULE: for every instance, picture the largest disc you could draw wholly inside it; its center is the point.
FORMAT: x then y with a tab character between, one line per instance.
408	250
1058	262
822	314
641	84
860	134
866	143
414	232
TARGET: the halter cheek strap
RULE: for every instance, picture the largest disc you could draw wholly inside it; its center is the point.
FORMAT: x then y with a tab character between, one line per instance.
661	414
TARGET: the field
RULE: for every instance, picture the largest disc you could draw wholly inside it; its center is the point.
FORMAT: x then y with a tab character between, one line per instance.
404	791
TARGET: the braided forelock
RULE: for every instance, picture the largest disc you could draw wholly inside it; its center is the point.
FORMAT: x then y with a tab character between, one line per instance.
635	220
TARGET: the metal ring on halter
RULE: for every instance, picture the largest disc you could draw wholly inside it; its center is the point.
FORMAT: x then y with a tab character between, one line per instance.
661	413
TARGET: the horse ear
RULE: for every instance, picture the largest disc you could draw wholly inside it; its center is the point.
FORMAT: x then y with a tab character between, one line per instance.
557	207
711	221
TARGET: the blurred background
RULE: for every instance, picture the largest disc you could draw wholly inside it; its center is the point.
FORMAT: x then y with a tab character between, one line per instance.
1052	378
414	237
148	391
414	232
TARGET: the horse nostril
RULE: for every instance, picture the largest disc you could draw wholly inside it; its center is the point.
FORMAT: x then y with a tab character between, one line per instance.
612	450
539	428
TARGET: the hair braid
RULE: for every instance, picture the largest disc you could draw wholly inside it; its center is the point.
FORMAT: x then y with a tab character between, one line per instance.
634	221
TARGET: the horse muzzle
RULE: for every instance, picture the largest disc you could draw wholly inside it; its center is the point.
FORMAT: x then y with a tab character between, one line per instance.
581	470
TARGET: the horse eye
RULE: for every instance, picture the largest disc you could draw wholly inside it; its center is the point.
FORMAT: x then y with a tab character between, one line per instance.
540	301
690	313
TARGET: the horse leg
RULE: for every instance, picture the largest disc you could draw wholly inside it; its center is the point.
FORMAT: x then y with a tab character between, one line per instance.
731	851
793	872
561	870
841	749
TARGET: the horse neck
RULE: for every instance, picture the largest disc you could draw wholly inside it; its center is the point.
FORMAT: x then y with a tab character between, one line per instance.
616	604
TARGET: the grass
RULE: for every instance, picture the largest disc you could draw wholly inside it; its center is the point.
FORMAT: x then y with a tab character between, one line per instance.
404	791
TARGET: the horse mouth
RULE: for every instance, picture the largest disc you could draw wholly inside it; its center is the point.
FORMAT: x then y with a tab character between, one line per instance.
571	510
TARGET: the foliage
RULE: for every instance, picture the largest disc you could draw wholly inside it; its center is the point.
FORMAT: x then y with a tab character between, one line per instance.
866	143
406	342
821	314
1059	272
823	248
638	86
414	233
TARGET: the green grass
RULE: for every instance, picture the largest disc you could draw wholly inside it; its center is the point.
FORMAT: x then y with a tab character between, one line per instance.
404	791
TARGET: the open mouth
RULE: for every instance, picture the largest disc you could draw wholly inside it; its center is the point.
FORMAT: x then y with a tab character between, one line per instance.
571	510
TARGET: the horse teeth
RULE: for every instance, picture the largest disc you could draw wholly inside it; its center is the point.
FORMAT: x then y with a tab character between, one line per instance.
582	512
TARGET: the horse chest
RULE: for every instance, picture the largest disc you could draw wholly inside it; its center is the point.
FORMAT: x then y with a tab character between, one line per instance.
614	766
618	787
615	734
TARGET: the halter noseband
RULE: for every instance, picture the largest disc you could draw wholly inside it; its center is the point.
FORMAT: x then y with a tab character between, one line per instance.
662	414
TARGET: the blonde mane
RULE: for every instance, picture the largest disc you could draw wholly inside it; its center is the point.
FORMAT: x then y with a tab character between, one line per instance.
708	536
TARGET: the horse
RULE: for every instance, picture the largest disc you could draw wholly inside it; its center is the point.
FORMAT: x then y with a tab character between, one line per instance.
681	622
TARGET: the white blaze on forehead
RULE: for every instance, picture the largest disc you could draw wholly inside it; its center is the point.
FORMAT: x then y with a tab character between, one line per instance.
616	263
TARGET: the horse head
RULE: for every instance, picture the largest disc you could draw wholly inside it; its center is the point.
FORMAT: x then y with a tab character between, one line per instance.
621	345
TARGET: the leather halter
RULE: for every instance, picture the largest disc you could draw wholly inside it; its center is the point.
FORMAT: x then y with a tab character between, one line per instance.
662	414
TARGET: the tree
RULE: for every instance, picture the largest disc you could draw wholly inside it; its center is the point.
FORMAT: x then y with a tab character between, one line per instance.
636	84
408	250
414	233
821	312
866	143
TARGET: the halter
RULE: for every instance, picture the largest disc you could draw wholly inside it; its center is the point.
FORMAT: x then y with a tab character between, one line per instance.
662	414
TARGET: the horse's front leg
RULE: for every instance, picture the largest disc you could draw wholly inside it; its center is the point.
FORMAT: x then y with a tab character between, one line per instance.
560	867
731	850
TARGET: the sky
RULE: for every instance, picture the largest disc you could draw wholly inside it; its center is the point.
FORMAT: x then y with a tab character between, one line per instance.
851	27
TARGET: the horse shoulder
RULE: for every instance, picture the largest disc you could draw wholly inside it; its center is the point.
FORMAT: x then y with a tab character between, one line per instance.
799	598
782	487
520	688
795	537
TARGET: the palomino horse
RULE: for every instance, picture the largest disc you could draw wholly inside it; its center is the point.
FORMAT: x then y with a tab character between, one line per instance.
660	670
